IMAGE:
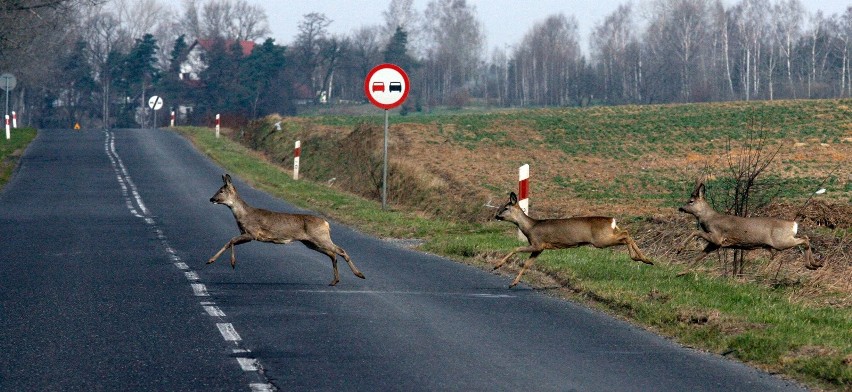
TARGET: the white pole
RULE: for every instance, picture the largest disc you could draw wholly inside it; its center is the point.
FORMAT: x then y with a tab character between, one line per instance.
297	152
172	121
524	193
217	125
14	120
8	134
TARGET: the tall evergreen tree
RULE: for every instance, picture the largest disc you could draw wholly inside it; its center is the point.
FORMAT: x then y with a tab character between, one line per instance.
263	76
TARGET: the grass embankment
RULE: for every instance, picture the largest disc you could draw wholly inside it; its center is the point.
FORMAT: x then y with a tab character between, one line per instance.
765	325
12	149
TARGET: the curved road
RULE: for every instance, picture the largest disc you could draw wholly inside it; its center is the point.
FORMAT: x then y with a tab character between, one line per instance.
103	286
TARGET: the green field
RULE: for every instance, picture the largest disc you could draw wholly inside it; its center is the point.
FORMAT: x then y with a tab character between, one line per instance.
800	325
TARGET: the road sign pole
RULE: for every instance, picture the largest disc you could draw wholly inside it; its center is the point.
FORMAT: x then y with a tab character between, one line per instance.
386	86
385	168
7	97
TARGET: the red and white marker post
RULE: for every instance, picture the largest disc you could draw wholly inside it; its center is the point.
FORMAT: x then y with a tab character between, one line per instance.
172	120
14	120
524	193
8	134
218	121
297	152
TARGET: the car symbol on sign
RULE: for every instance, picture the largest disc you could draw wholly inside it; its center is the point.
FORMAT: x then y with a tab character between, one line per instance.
395	86
378	86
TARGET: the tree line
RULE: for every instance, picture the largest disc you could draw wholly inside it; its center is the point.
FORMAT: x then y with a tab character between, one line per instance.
96	61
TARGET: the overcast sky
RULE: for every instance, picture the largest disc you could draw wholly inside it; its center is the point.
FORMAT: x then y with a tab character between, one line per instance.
505	21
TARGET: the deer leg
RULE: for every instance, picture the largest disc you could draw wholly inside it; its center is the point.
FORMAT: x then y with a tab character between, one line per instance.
686	241
772	254
240	239
809	257
526	266
334	268
710	248
503	260
352	266
233	253
512	253
634	251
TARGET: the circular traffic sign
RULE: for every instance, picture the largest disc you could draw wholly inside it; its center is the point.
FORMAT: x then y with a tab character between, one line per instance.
386	86
155	102
8	81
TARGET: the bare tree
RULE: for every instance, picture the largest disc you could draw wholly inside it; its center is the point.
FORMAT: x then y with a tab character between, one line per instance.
225	19
456	44
817	53
787	15
104	36
678	28
313	32
249	22
614	48
366	48
845	32
401	13
547	58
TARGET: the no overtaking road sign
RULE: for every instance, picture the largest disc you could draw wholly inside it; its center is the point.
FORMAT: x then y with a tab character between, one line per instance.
386	86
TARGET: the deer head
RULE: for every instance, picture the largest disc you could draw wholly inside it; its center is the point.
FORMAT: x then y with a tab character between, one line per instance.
227	194
510	211
696	205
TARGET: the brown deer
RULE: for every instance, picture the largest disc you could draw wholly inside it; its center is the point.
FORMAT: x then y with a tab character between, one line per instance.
598	231
277	227
735	232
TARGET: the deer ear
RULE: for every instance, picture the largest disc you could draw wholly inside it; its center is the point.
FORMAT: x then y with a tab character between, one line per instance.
694	193
700	191
226	178
513	197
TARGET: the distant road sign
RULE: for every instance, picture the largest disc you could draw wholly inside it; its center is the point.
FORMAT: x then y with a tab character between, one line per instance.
155	102
8	81
386	86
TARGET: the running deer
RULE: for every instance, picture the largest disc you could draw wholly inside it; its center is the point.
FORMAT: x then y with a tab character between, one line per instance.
735	232
598	231
277	227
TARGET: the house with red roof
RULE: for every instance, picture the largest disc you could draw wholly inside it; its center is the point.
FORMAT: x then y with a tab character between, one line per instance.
194	64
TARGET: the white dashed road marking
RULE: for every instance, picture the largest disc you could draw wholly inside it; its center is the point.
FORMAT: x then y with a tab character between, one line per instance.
228	332
199	290
139	210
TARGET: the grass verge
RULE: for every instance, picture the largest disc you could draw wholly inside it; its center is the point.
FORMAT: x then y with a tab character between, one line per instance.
11	151
759	325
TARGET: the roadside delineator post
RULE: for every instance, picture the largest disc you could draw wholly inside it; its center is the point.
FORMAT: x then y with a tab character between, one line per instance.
524	193
172	121
14	120
8	134
218	121
297	152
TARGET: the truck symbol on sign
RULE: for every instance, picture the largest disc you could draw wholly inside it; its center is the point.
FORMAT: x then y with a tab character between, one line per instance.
395	86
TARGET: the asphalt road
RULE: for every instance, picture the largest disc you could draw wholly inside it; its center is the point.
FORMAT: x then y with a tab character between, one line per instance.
103	286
